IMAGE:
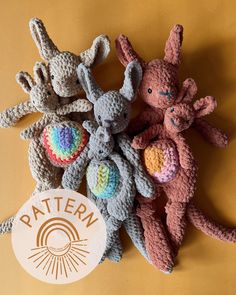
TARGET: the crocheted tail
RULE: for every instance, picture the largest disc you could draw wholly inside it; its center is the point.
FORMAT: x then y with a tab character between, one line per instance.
6	225
209	226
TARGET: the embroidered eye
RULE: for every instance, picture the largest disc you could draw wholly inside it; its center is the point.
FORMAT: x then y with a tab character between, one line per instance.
172	110
149	90
99	117
49	93
52	77
100	152
125	115
77	81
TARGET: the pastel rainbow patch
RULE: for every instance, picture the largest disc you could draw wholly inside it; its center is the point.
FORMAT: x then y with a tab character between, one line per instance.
103	179
161	160
64	142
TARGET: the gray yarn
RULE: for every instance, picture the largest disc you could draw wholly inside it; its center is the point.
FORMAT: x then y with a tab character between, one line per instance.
112	110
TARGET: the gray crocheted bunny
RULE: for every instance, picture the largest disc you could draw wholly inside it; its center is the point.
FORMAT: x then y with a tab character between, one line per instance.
45	164
112	110
63	65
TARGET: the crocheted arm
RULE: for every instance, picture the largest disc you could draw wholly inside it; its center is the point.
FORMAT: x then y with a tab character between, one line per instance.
143	183
144	120
73	175
142	140
79	105
11	116
121	205
212	134
186	158
35	129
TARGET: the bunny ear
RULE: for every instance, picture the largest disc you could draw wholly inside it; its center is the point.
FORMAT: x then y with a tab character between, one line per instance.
25	81
103	134
173	45
92	90
97	53
133	77
188	91
204	106
125	51
47	48
89	126
41	75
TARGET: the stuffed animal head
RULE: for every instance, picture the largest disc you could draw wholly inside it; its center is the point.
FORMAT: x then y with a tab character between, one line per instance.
160	84
181	116
63	65
42	96
112	109
101	142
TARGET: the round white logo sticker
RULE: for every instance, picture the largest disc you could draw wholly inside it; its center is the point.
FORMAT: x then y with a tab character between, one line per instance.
59	236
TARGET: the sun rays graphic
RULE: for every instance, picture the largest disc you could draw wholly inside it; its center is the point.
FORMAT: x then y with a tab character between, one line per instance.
59	250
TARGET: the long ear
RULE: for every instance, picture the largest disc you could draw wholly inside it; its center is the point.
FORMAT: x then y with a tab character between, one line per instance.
25	81
204	106
133	77
41	74
90	126
47	48
103	134
125	51
92	90
97	53
173	45
188	91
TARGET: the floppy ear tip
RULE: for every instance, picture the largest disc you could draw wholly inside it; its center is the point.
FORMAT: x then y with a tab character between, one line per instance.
178	29
35	21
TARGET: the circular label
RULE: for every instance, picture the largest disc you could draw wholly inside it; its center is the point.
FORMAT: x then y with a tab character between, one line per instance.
59	236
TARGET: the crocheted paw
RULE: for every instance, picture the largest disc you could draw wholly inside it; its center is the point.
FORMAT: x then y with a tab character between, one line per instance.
139	143
144	185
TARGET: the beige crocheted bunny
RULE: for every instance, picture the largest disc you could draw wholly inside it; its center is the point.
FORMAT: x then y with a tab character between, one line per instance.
63	64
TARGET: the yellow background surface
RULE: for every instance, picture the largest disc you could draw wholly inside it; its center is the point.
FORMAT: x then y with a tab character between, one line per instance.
205	266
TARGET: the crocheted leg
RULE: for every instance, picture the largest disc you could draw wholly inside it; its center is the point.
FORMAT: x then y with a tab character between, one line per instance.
115	253
176	223
6	225
113	249
209	226
41	169
134	229
156	240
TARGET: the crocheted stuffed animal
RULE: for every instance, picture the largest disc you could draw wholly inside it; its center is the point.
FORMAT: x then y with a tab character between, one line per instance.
55	141
170	162
63	65
109	178
160	87
112	110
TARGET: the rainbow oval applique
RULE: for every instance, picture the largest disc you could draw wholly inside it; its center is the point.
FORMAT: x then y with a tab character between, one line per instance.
103	179
64	142
161	160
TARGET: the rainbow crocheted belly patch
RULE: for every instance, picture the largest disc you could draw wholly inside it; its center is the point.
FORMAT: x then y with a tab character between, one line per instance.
103	178
64	142
161	160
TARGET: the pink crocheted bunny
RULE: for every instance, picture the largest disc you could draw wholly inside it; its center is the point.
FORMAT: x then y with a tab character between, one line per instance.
171	164
160	87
